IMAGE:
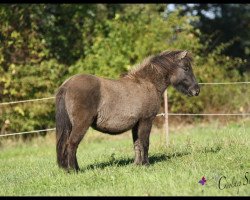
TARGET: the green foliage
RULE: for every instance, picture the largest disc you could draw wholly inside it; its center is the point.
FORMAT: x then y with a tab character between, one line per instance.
23	82
42	45
129	37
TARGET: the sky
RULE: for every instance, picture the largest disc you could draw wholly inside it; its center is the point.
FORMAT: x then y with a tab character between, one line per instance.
208	14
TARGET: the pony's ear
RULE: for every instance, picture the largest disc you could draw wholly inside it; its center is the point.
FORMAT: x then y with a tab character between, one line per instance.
181	55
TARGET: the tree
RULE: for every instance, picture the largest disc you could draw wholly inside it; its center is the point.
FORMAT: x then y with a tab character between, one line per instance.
225	22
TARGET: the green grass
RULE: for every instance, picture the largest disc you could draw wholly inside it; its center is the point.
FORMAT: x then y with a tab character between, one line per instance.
107	166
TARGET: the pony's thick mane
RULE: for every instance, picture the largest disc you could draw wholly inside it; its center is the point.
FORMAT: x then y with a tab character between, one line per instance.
164	61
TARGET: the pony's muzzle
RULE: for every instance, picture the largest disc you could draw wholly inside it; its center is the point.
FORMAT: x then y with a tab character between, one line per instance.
195	90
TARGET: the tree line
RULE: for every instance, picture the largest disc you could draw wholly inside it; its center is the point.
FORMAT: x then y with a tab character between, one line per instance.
41	45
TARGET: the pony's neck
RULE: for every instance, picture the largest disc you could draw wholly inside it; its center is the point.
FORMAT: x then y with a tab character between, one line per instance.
151	74
161	84
160	80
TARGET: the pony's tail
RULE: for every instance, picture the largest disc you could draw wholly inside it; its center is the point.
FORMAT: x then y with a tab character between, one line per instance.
63	128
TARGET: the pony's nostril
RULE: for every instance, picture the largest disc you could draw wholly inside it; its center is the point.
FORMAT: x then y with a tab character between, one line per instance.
197	92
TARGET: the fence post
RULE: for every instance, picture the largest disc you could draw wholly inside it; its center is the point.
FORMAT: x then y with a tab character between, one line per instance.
166	117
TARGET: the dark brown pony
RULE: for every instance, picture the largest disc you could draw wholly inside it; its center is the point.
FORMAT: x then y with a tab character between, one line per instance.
115	106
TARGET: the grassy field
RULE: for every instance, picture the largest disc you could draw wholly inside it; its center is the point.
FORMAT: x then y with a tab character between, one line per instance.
218	152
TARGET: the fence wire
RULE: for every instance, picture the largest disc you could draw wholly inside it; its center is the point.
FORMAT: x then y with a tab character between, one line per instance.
24	101
26	132
160	114
205	114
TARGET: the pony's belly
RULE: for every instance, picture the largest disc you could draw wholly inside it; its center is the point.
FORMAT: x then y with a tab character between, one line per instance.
114	125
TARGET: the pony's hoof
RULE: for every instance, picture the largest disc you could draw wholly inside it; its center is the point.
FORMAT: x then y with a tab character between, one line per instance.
137	162
140	162
70	171
145	163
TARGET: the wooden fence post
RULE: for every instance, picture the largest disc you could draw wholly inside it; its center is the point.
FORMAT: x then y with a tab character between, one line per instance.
166	117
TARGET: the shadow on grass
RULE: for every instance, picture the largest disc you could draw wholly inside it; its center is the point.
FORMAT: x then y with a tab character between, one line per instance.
214	149
152	159
127	161
102	165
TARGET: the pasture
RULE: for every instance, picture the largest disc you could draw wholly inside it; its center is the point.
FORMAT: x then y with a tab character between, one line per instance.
211	150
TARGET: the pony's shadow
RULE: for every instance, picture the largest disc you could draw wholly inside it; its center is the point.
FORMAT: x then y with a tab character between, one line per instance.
152	159
127	161
114	162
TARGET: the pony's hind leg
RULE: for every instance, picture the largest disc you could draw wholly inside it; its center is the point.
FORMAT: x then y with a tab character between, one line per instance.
81	122
79	129
74	140
81	101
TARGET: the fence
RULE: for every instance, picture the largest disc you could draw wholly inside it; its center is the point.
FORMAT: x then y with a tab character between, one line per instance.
166	114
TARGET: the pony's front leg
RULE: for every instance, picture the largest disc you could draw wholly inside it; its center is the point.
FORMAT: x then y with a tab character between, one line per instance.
137	144
141	134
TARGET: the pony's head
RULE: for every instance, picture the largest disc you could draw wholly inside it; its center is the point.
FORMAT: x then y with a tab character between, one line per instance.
168	67
182	77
